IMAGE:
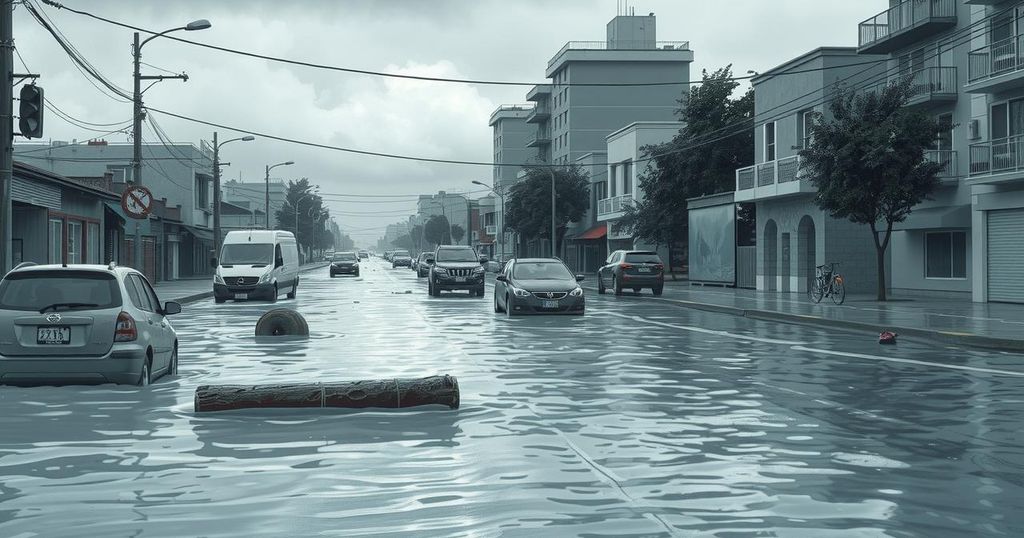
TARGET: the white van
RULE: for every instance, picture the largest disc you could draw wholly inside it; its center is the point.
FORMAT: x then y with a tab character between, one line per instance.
256	264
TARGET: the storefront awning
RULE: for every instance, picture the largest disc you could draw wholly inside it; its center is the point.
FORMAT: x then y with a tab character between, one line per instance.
597	232
937	217
199	233
116	211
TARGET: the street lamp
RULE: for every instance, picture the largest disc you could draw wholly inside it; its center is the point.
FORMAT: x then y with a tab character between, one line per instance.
501	228
297	203
551	170
269	168
200	24
216	185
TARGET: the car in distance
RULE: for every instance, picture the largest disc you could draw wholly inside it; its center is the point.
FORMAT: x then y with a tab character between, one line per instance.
632	269
256	264
400	258
423	264
364	255
83	324
538	286
345	263
456	267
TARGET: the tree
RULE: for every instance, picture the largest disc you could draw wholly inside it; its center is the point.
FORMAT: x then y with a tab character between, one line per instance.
700	160
457	233
311	212
528	206
867	161
437	230
404	241
416	234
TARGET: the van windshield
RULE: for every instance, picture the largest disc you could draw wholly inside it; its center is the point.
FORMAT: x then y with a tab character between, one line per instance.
247	254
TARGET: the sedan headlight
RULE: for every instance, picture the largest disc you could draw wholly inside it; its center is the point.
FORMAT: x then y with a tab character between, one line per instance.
520	293
217	279
441	270
576	292
265	278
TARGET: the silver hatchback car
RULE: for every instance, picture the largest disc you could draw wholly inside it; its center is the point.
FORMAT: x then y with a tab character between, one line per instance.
83	324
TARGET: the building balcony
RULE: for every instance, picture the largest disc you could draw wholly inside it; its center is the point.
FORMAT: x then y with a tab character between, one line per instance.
771	179
491	230
985	2
996	67
931	85
947	158
614	207
997	161
539	114
538	92
541	138
674	48
906	23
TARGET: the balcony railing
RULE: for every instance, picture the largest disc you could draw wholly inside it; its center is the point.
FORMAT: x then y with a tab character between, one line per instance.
769	173
620	45
997	156
538	114
541	138
491	229
928	84
615	204
899	19
946	157
996	59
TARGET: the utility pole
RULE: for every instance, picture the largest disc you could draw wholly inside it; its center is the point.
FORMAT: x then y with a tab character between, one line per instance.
137	143
552	171
216	196
6	129
266	213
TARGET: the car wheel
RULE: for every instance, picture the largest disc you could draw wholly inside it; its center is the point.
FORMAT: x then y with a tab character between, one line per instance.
273	298
295	289
658	291
357	273
172	366
144	377
480	292
616	286
636	290
510	309
600	284
497	307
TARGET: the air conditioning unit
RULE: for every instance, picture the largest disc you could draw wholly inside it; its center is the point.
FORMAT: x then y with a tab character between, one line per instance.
975	129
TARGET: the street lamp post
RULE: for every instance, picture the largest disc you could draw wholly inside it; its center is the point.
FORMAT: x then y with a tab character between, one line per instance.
270	167
217	238
551	170
297	203
501	227
200	24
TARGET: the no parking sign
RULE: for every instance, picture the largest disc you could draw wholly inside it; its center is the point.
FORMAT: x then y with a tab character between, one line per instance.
137	202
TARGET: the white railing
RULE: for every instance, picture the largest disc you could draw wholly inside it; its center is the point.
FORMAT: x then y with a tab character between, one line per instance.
769	173
996	59
903	16
945	157
995	156
615	204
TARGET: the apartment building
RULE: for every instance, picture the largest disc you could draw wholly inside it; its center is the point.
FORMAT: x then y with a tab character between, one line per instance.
511	134
457	208
252	195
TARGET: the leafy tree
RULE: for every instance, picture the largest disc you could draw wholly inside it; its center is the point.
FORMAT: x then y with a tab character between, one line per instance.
416	234
311	212
528	206
437	230
867	161
457	233
404	241
700	160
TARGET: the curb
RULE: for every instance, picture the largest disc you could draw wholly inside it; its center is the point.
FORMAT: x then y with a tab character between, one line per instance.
946	337
207	294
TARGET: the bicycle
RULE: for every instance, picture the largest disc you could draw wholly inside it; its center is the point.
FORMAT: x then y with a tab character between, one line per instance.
827	283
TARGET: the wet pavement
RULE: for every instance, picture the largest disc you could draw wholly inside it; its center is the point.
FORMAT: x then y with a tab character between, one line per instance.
638	419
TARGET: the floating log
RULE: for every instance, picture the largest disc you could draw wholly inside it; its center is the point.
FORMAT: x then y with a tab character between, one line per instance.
282	322
385	393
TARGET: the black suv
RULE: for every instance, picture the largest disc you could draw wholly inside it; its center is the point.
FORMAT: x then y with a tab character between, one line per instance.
456	268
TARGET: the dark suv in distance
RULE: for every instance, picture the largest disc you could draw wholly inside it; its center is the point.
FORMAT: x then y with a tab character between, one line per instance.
345	263
456	268
632	269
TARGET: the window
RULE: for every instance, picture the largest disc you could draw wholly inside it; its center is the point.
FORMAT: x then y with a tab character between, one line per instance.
136	294
147	290
601	189
202	196
945	140
1008	119
32	290
613	177
627	177
74	241
769	141
56	241
92	243
946	255
805	126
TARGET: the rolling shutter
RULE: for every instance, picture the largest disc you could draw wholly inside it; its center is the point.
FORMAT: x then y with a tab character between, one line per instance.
1006	256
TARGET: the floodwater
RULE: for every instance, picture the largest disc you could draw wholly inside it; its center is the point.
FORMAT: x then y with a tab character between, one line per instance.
639	419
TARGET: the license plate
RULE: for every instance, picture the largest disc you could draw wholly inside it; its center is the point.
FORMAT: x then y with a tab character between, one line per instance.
241	296
550	304
460	279
53	335
644	269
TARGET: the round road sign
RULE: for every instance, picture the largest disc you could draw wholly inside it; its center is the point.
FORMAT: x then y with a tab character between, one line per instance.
137	202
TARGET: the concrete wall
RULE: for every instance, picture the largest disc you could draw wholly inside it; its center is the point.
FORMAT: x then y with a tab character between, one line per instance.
29	224
511	133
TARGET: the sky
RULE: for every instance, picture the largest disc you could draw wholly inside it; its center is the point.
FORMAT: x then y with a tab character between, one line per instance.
474	39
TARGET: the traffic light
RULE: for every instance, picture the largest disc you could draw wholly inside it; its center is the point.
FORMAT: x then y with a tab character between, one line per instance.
31	111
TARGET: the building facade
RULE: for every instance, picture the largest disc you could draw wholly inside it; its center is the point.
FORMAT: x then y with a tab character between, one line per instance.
253	196
457	208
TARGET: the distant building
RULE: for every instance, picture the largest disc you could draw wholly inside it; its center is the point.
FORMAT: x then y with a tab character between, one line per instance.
252	195
454	207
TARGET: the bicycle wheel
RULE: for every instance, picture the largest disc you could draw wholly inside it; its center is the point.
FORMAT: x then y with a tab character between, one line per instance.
838	290
815	291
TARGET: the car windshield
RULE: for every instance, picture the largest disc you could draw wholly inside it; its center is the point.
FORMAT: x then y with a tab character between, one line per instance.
456	255
541	271
59	290
247	254
642	257
401	253
345	257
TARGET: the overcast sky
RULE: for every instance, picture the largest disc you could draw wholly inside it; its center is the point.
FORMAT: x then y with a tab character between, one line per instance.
479	39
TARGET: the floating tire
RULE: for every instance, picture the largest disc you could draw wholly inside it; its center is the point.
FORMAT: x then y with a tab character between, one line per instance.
282	322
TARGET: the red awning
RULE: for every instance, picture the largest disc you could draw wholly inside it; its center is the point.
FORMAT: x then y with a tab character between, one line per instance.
597	232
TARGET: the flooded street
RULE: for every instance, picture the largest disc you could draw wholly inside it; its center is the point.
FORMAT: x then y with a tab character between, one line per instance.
638	419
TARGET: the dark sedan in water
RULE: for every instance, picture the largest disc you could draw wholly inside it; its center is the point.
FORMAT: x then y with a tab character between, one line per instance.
538	286
345	263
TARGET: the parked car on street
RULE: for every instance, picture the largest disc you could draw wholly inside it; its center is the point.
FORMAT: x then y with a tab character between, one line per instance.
256	264
364	255
538	286
345	263
423	263
83	324
632	269
400	258
456	268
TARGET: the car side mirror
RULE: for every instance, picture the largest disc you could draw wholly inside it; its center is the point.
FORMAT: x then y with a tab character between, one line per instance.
171	308
279	262
501	278
213	262
580	278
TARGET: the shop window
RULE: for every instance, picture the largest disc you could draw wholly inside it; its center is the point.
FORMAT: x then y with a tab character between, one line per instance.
92	243
56	241
946	255
74	241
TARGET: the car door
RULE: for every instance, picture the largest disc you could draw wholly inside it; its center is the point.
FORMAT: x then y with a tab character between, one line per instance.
603	274
161	323
149	325
501	288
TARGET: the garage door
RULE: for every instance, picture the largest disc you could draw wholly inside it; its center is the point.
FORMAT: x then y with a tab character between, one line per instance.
1006	256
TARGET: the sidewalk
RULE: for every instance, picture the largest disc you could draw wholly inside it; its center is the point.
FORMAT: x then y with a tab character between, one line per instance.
987	325
189	290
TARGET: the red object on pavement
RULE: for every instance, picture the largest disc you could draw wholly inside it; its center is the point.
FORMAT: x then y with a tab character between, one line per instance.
887	337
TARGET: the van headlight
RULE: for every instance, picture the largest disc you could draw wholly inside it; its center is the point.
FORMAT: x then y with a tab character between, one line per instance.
265	278
576	292
520	293
217	279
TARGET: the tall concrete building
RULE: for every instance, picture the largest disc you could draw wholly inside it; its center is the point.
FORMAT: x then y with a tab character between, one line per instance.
457	208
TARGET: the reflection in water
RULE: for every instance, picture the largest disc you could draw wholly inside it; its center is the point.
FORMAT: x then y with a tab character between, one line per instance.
595	426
